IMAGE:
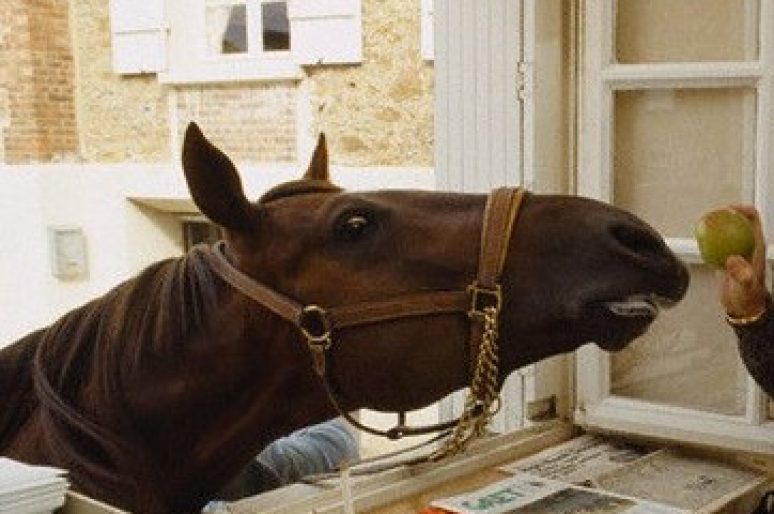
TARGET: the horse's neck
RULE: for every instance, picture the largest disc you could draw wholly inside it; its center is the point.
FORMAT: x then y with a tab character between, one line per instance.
16	388
236	387
184	370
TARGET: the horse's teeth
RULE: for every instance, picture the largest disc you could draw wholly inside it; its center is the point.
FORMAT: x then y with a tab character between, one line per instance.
633	308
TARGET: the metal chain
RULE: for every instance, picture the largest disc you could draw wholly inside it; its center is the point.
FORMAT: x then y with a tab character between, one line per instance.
483	400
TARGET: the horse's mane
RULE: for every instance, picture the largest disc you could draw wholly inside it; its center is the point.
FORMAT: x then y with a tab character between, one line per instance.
16	388
80	360
146	317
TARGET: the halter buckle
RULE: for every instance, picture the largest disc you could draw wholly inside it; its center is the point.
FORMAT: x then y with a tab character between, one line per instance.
482	298
315	325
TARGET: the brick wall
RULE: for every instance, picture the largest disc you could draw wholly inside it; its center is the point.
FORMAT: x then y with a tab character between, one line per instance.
251	123
37	102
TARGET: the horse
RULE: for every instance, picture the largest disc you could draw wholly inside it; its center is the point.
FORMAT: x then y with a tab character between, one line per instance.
316	302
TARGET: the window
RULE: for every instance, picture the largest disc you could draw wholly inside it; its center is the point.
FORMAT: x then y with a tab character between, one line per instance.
676	119
199	231
275	27
252	28
197	41
227	28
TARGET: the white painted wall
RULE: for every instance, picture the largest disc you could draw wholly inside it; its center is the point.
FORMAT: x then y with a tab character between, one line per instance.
114	206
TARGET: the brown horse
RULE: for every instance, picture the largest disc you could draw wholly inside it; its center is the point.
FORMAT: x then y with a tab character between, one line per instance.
155	395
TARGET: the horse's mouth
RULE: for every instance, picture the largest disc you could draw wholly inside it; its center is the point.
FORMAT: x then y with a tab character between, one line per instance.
615	323
639	306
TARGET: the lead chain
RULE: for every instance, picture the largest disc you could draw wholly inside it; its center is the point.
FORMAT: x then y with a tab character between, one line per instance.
483	400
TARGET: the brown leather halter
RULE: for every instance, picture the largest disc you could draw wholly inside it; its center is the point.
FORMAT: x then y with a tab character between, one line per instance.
318	325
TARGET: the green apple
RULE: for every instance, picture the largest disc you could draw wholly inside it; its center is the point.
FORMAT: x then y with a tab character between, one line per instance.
724	232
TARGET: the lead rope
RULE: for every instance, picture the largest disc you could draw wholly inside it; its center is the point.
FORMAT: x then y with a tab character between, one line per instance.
483	399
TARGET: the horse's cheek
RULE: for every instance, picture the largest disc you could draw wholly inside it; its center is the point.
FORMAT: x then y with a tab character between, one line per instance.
395	365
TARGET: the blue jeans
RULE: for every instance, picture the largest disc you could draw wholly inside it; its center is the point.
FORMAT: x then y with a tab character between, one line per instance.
315	449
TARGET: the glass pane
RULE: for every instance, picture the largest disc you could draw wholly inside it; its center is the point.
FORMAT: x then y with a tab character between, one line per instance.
678	153
689	358
227	28
276	27
199	232
686	30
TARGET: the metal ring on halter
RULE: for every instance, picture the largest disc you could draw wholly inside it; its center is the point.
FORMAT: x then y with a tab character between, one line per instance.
314	318
482	297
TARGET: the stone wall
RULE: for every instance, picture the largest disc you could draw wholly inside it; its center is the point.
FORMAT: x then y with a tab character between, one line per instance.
380	112
121	118
57	67
37	104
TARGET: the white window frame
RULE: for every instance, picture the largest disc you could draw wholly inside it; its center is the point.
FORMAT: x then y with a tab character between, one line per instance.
322	32
193	61
596	406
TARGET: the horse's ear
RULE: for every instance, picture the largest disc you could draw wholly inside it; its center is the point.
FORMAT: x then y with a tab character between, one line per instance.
318	167
214	182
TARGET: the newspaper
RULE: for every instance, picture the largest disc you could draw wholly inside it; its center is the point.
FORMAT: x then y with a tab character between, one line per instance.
525	493
581	459
30	489
688	481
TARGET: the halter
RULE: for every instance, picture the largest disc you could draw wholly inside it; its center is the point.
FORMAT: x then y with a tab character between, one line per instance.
481	301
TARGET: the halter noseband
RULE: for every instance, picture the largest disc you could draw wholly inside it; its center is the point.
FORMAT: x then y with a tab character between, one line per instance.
481	301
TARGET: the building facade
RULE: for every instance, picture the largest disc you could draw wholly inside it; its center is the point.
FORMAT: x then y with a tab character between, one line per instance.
75	87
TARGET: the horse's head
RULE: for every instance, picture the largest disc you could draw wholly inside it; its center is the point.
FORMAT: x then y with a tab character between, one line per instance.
576	271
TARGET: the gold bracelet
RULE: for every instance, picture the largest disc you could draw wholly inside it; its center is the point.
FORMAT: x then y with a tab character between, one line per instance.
746	320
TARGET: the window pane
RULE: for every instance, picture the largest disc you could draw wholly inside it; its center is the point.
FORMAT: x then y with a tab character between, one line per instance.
198	232
227	28
686	30
689	358
678	153
276	27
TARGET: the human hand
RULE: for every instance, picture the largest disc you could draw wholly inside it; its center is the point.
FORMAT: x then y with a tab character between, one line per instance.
742	287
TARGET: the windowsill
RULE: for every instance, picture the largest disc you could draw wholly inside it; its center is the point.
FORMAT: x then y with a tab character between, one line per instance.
662	422
233	70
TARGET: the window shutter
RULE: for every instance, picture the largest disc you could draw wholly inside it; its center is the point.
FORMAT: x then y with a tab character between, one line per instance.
326	31
428	46
139	36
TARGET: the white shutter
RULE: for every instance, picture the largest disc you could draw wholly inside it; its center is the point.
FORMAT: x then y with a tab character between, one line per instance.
139	36
428	47
326	31
479	129
478	112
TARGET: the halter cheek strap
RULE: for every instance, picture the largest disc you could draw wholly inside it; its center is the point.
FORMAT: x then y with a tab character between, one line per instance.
481	301
502	208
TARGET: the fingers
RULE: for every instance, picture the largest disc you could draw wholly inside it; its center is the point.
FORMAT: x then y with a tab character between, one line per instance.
759	253
741	271
742	291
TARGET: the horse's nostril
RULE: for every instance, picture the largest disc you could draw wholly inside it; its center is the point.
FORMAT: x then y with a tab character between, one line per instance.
639	240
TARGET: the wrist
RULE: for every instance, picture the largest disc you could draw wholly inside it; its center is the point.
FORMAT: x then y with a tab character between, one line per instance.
750	317
741	321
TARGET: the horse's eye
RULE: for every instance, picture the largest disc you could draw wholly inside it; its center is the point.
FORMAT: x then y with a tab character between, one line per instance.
353	227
